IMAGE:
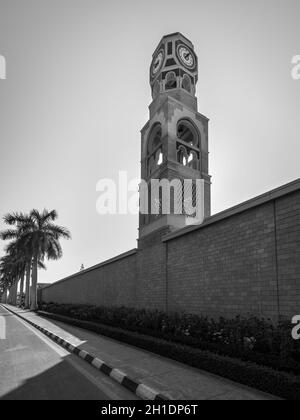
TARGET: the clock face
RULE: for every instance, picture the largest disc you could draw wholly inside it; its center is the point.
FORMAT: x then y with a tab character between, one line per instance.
157	63
186	56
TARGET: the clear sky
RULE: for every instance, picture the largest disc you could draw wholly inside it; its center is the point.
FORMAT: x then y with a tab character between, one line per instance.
77	94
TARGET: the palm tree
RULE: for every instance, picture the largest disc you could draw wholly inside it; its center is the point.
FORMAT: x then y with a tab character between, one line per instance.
18	250
19	260
22	262
4	283
3	290
17	219
39	236
9	276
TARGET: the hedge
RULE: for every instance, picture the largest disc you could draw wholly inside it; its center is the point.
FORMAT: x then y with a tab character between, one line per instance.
248	339
282	384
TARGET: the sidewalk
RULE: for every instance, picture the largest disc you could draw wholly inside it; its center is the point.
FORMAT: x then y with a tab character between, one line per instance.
175	380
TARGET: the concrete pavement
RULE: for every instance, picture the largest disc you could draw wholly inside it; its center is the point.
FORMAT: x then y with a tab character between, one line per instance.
170	378
32	367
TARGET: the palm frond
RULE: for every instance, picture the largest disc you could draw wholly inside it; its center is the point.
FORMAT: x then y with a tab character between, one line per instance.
35	216
15	218
58	231
9	234
54	250
41	265
48	216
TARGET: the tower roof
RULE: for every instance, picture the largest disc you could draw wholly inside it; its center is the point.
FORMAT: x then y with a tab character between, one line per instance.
173	35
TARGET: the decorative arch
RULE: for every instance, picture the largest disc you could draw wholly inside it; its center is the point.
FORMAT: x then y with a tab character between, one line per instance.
188	144
193	160
171	81
186	83
154	148
154	139
159	157
151	165
188	133
182	156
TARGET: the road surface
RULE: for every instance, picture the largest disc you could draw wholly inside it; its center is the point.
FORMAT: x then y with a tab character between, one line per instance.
32	367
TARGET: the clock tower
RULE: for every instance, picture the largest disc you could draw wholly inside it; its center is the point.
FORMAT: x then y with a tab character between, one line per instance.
174	140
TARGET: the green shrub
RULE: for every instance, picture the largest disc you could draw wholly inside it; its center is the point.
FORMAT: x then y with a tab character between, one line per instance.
248	339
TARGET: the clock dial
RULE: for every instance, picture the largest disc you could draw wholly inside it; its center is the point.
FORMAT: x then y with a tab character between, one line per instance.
157	63
186	56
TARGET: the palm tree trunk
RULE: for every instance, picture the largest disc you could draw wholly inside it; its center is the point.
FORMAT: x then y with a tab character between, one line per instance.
5	295
22	288
11	294
33	305
27	288
15	292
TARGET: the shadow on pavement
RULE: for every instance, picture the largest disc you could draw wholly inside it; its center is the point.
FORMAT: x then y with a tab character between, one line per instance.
60	382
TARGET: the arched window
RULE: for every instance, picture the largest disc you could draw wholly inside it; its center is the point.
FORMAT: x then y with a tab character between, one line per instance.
186	83
151	165
154	150
188	147
171	81
159	157
193	160
182	156
154	139
188	133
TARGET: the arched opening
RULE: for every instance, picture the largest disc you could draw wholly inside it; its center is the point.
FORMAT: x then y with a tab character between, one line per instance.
182	156
154	139
188	153
154	151
193	160
186	83
171	81
159	157
187	133
151	165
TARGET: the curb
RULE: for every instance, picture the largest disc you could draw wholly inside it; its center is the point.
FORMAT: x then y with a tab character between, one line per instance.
140	390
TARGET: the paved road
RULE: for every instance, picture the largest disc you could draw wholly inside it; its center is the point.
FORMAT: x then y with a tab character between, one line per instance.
32	367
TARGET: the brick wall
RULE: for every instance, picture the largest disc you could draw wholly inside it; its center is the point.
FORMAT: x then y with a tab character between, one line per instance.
243	261
288	253
151	277
111	283
225	268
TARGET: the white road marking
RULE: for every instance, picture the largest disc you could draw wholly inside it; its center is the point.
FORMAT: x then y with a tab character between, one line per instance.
2	328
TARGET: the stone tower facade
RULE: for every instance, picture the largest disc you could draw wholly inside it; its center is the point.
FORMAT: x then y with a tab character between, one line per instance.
175	139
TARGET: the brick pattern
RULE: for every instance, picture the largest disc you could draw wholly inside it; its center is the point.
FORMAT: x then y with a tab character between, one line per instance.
248	263
288	253
227	268
151	277
113	284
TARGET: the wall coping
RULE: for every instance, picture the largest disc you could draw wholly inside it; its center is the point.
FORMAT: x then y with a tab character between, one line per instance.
95	267
240	208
